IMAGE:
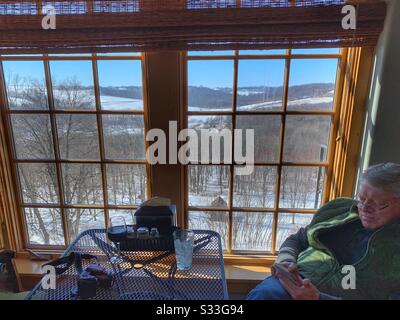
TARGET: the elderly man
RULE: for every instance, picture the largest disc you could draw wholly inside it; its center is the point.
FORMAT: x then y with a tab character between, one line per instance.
362	233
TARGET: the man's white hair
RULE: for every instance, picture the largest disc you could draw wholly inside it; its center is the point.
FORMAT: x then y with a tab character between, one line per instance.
384	176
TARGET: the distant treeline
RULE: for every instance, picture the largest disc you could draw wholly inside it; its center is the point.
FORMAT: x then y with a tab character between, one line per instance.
204	97
129	92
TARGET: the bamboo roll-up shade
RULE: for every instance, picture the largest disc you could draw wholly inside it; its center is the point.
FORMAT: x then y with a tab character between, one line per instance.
151	25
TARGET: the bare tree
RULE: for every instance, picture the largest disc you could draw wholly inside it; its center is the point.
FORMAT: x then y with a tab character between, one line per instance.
78	139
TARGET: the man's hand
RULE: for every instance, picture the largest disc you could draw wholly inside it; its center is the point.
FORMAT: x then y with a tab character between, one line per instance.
288	271
304	290
292	267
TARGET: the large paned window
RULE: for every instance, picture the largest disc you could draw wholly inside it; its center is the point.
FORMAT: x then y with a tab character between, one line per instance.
77	134
288	98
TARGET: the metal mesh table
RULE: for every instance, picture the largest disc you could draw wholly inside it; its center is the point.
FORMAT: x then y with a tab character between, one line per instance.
146	275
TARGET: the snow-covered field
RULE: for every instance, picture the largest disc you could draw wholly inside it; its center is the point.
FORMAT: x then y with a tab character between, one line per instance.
122	103
315	100
118	103
107	102
272	104
262	105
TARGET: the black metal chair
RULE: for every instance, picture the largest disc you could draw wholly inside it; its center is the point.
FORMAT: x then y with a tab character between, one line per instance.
8	277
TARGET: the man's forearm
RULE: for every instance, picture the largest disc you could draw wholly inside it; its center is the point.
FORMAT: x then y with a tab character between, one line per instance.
290	250
292	246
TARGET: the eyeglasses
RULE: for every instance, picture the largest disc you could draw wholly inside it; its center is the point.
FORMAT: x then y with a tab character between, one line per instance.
373	208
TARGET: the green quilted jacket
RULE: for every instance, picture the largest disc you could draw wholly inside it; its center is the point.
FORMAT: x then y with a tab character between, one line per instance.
377	272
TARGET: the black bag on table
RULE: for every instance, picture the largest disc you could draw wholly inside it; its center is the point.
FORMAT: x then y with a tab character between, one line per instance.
161	217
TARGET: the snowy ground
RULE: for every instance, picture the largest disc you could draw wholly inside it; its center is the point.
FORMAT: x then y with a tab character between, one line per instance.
271	104
255	233
118	103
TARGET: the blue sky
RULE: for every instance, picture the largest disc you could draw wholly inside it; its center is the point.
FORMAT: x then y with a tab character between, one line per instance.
111	72
219	73
261	72
211	73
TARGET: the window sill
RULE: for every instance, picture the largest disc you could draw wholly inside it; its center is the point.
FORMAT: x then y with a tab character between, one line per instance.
241	279
28	272
249	260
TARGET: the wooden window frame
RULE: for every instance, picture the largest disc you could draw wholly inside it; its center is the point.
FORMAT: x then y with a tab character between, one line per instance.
347	59
52	112
356	70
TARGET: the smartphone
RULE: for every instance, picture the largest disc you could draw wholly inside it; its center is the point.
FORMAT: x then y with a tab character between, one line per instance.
286	273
